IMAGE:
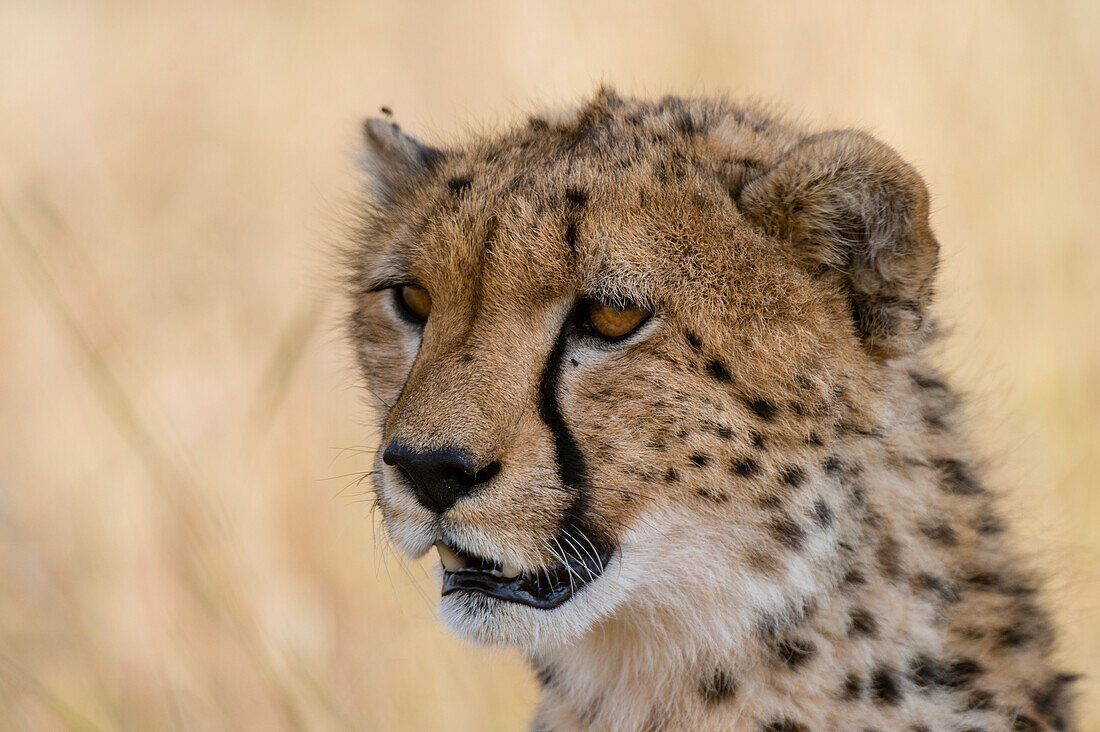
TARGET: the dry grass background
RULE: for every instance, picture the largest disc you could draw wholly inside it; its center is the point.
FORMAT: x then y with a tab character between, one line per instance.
179	543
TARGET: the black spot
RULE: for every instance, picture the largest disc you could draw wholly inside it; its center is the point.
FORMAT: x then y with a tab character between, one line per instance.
832	464
571	235
884	686
723	431
945	590
1024	723
926	381
763	408
930	674
955	477
717	371
757	440
785	724
1051	703
983	580
853	687
693	339
795	652
576	196
889	557
979	699
854	577
793	476
466	357
862	622
787	531
459	184
772	501
744	467
823	515
538	124
1015	636
714	497
700	459
941	533
672	476
987	524
574	362
815	439
718	688
544	675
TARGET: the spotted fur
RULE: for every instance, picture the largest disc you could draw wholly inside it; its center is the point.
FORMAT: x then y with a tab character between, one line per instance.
802	538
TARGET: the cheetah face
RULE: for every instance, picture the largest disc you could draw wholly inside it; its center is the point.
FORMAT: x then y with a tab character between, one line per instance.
603	377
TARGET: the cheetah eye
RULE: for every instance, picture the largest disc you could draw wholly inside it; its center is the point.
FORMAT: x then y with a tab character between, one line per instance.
612	323
413	302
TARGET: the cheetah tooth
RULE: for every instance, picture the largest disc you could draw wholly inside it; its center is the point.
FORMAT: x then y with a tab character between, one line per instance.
451	561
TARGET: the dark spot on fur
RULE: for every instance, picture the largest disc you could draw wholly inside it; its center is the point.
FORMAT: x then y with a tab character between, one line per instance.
672	476
459	184
718	371
576	197
987	524
795	652
979	699
955	477
571	236
1051	703
466	357
946	591
832	464
718	688
793	476
787	531
1015	636
784	725
889	559
723	431
700	459
1024	723
815	439
772	502
930	674
853	687
823	515
744	467
884	686
757	440
762	408
693	340
854	577
544	675
862	622
714	497
927	381
941	533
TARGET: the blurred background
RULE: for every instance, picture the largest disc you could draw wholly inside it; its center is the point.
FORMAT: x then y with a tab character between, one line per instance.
184	536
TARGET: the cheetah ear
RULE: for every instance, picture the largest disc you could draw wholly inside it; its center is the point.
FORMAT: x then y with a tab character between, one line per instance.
850	203
393	160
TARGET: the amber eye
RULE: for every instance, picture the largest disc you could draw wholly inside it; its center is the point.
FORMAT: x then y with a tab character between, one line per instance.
611	322
414	301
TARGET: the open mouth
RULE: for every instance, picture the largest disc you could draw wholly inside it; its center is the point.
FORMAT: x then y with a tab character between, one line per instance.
545	588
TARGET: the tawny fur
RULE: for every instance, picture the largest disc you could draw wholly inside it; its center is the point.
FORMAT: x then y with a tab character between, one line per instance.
803	538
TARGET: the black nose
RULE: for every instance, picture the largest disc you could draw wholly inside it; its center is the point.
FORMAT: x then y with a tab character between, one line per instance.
439	477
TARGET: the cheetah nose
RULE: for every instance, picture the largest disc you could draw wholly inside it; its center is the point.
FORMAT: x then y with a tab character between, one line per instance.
439	477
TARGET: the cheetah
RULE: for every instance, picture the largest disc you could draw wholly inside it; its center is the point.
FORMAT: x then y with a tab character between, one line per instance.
652	376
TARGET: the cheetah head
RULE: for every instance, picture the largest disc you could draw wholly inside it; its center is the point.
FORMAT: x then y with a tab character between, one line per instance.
608	352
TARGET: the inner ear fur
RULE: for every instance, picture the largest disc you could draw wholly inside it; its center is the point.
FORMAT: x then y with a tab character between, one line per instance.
848	202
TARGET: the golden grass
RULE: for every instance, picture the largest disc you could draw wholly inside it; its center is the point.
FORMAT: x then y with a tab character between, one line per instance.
183	538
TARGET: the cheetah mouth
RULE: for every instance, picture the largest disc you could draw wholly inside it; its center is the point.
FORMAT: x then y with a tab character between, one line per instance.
545	588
